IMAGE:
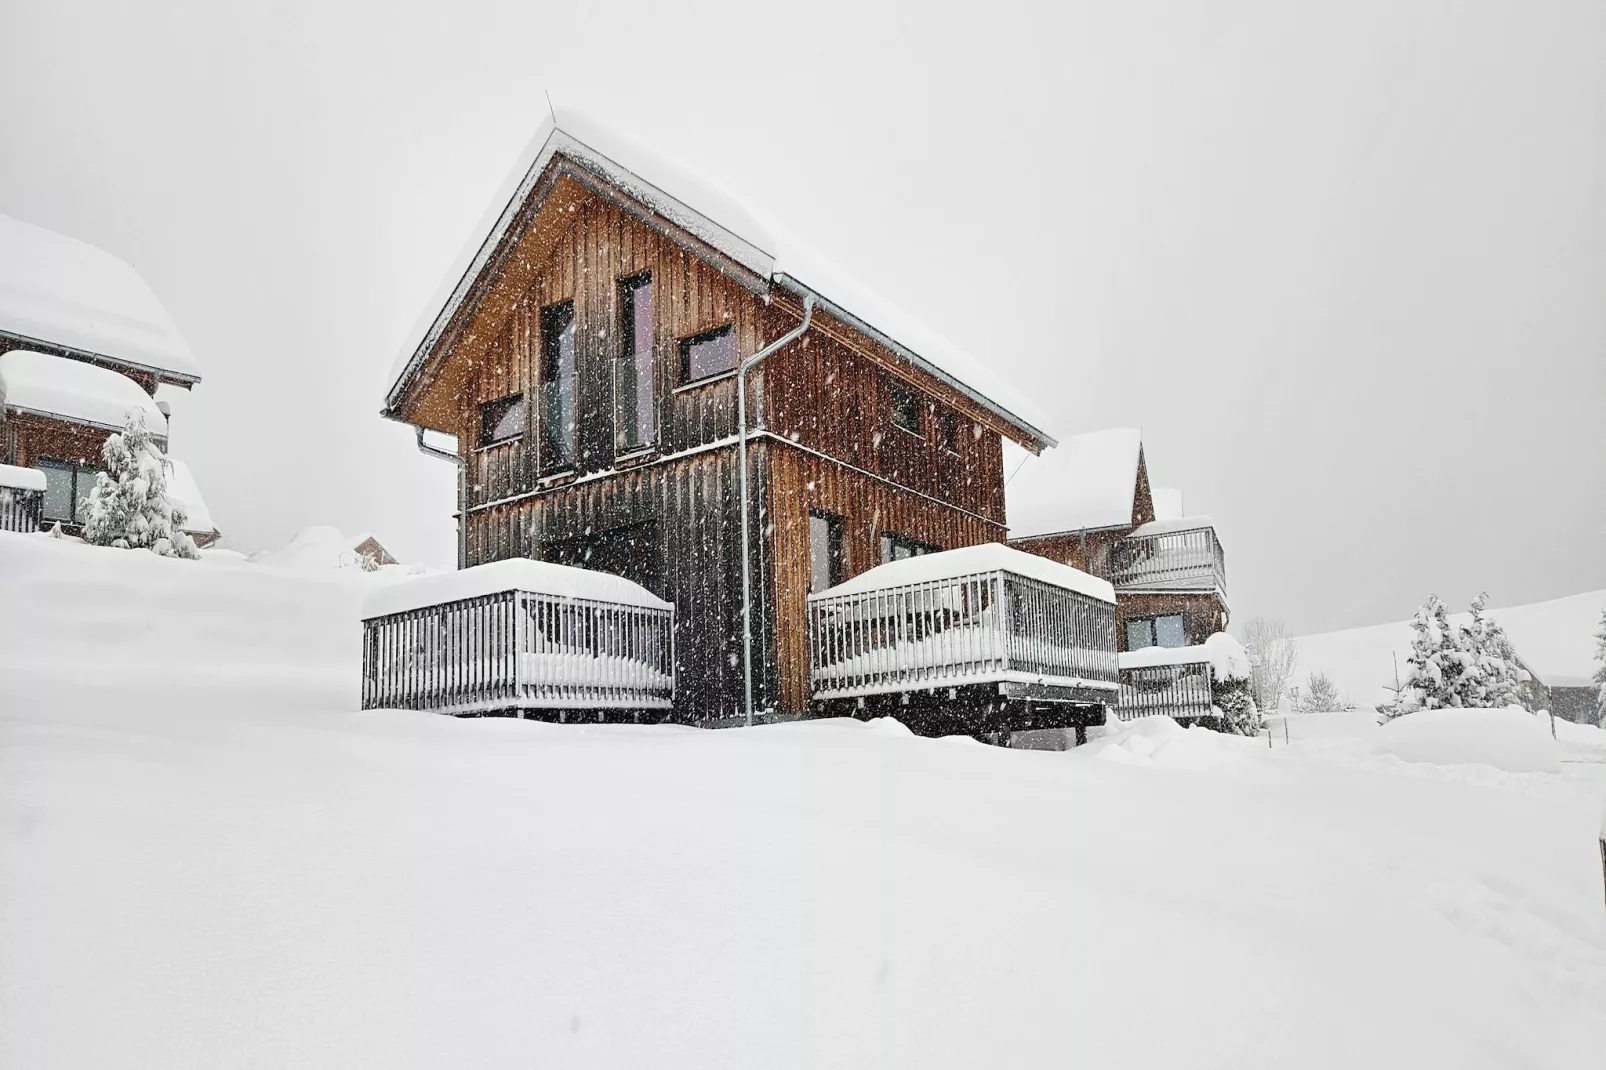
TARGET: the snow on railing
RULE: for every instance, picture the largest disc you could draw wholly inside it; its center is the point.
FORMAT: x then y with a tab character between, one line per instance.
982	627
1175	684
516	650
22	498
1188	560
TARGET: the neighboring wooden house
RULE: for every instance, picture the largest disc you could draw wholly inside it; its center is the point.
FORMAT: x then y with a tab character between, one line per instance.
1089	505
584	352
83	341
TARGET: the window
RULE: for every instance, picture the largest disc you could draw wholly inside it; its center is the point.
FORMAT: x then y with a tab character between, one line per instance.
1166	631
948	432
501	420
67	485
708	354
899	547
635	414
557	387
905	408
827	559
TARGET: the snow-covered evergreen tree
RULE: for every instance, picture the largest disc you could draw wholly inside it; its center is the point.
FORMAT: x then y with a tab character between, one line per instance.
1435	665
129	507
1600	672
1232	685
1491	676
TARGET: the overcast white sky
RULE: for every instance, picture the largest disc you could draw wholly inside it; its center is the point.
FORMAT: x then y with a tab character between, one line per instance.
1343	262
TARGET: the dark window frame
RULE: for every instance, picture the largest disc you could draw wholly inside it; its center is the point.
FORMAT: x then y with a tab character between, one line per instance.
683	347
500	407
904	401
550	339
79	470
891	543
1152	622
629	363
836	550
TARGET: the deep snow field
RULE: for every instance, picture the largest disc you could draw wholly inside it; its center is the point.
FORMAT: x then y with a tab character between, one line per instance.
209	858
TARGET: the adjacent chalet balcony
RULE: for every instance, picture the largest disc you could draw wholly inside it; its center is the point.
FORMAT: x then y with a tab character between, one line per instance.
1169	556
1165	682
22	497
985	615
518	638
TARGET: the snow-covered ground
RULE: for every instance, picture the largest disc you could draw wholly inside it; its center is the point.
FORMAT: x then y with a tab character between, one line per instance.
208	857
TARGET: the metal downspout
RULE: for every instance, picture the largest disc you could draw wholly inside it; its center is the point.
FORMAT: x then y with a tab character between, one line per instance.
741	454
462	493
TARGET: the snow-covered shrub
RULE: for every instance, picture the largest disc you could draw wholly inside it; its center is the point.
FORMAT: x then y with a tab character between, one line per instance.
129	507
1272	656
1321	696
1600	673
1232	685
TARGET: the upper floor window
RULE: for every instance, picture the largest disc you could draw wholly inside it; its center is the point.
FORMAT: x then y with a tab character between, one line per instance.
905	408
501	420
710	353
557	386
67	488
1166	631
899	547
828	562
635	417
948	431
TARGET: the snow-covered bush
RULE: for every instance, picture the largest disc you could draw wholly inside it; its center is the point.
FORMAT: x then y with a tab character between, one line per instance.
1600	672
129	507
1232	685
1467	666
1272	656
1321	696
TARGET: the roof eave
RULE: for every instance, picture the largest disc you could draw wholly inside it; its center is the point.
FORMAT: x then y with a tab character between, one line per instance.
163	375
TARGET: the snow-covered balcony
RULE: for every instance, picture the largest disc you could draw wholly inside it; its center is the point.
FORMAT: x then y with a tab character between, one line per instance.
22	496
1170	682
518	636
1170	555
978	615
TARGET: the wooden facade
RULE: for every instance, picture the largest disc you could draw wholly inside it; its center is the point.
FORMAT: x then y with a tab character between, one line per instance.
664	512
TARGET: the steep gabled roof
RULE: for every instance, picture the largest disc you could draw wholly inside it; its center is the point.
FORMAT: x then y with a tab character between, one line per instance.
730	228
1089	483
58	292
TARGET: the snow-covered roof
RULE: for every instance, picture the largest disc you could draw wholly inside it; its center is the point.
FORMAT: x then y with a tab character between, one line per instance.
21	478
1087	483
967	561
714	216
72	390
514	574
58	290
186	493
1167	502
1181	523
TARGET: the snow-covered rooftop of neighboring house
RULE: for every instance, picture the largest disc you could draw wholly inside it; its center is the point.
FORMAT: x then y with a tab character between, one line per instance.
514	574
967	561
723	221
1167	502
73	390
21	478
65	292
1555	639
1180	523
186	493
1087	483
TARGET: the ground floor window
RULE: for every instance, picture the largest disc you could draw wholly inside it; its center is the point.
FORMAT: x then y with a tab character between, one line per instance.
828	564
67	485
899	547
1165	630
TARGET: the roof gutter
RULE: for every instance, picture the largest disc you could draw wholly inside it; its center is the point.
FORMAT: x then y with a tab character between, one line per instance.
741	463
788	283
163	375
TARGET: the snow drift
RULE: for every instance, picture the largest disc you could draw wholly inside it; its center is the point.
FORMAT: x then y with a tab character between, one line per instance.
1511	739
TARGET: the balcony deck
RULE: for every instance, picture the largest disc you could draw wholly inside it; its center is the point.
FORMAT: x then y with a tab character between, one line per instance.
1170	556
1165	682
982	615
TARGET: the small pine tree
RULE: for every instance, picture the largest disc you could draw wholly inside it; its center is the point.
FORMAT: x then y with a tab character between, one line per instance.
1232	689
129	507
1321	696
1600	673
1491	676
1434	667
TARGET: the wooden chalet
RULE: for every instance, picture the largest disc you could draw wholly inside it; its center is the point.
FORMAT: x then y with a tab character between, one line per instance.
1093	508
83	342
584	352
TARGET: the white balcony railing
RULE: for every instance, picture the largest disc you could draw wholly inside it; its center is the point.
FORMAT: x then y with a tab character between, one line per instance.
1165	557
1165	683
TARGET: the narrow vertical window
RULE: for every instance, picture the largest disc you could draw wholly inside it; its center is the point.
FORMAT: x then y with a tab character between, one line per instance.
827	561
557	386
905	408
635	401
949	432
